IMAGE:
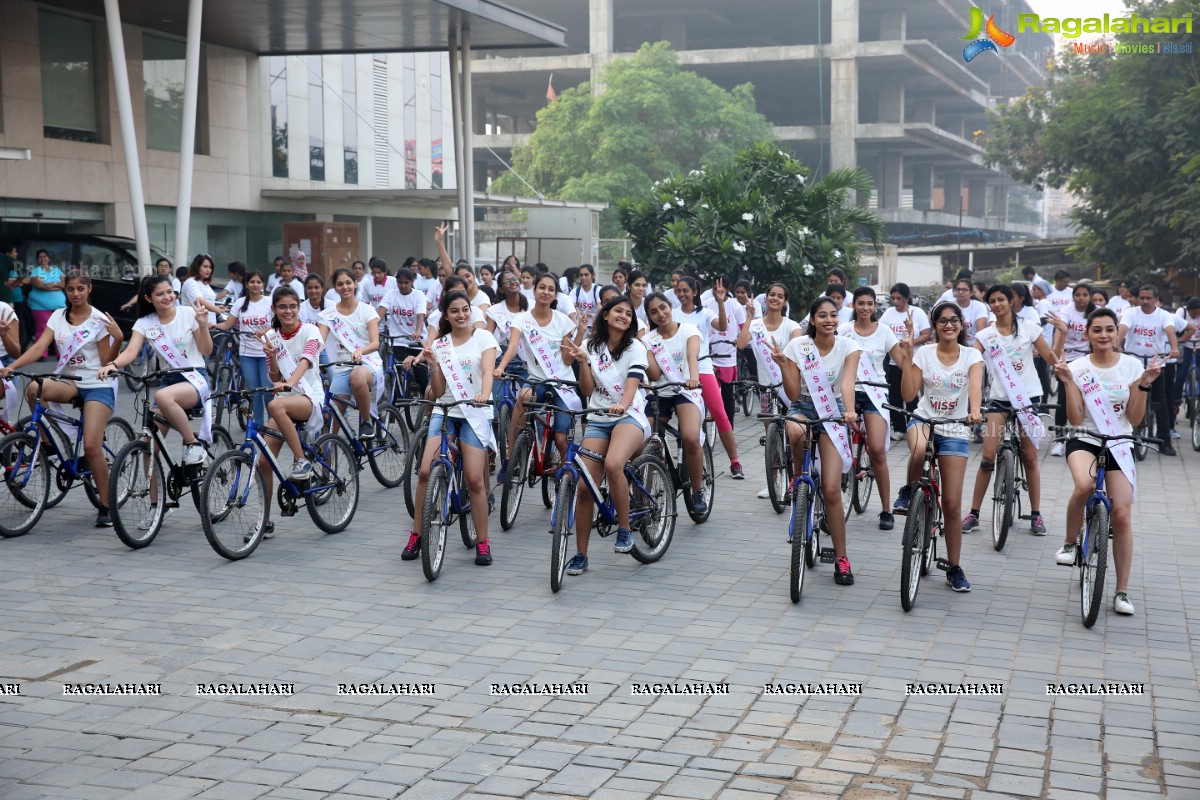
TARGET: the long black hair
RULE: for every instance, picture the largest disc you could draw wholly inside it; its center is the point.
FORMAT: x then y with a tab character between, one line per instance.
76	275
812	312
245	282
144	305
646	307
600	329
280	293
444	306
937	312
312	276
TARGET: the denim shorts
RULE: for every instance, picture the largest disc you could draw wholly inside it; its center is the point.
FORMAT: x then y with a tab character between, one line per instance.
803	407
457	427
99	394
179	377
603	428
666	405
339	383
862	402
562	421
946	445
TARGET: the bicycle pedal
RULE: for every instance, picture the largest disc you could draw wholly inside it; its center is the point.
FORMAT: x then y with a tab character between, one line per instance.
828	555
943	564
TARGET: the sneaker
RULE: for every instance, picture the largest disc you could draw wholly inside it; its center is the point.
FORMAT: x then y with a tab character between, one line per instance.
412	550
903	499
1174	435
483	554
1058	449
957	579
735	471
148	521
1037	525
268	533
842	575
699	505
971	522
577	565
366	430
765	494
897	436
1122	604
1167	449
624	541
193	454
302	471
1065	557
503	471
103	519
886	521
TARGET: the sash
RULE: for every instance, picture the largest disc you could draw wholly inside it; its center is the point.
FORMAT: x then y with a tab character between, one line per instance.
760	340
288	366
1010	380
504	321
819	391
349	339
161	342
540	349
604	370
12	402
867	373
479	418
1101	413
87	333
671	371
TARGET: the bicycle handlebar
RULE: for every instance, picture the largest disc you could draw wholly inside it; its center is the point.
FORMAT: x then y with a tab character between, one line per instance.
444	405
38	377
927	420
1123	437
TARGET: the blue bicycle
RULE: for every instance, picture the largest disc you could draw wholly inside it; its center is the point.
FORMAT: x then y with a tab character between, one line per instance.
651	505
233	500
401	387
387	451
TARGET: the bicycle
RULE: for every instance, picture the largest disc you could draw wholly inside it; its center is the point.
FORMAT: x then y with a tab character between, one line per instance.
1147	430
1191	393
862	475
778	455
1010	479
228	383
387	452
234	489
924	525
651	505
141	487
534	456
745	388
401	389
504	410
445	499
28	455
677	467
147	361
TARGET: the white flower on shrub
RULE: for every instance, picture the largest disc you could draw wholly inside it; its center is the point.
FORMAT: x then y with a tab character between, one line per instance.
808	270
747	217
739	247
782	257
678	202
666	206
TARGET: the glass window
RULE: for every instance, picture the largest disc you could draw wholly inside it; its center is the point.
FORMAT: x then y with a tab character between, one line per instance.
435	110
316	120
410	121
350	119
279	120
162	67
102	261
69	78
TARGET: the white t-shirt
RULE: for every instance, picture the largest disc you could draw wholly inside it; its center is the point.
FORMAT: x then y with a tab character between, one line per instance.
332	297
1182	320
1061	298
833	363
586	302
296	284
256	316
1044	309
548	338
1116	383
469	356
735	318
761	301
373	293
306	344
565	304
481	301
195	288
780	336
877	346
499	314
703	319
634	359
402	311
424	285
671	298
1019	349
945	389
310	314
1076	343
1118	304
675	349
895	320
272	282
358	320
971	315
180	330
234	290
1147	333
86	360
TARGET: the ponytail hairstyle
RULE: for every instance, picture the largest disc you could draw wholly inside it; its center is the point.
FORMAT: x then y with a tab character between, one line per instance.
245	280
444	306
550	276
280	293
600	329
1090	305
72	277
145	305
312	276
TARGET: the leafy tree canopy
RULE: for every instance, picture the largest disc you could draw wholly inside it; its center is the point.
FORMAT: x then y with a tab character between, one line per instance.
1121	132
760	217
653	120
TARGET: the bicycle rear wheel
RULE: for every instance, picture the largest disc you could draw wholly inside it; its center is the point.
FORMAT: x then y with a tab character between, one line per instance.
778	469
651	509
548	479
26	484
1196	433
519	465
916	534
335	467
435	520
66	446
388	456
137	494
848	484
864	478
709	481
746	398
234	505
560	529
117	434
223	405
798	527
412	467
503	422
1094	564
1005	488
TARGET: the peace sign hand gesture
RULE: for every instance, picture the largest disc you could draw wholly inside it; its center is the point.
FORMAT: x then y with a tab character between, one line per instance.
439	232
201	312
777	354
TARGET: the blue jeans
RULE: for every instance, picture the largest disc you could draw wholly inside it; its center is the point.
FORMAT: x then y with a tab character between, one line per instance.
254	370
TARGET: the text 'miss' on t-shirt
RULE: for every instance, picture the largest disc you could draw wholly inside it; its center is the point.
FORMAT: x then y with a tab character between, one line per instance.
945	389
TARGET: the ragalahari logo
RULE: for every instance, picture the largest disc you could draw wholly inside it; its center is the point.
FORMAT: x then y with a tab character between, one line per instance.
994	37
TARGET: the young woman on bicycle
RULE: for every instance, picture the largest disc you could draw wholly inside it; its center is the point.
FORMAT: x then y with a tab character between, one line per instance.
948	376
638	286
688	292
763	335
611	370
354	326
251	315
545	334
586	294
1009	345
675	347
461	359
292	351
1125	385
500	318
878	342
84	338
1070	324
180	338
821	363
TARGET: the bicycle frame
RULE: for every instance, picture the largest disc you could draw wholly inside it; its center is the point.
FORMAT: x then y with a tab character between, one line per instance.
451	458
256	439
604	504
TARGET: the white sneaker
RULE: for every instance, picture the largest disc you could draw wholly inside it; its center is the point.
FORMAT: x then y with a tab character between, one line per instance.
765	494
147	521
897	436
1121	604
193	454
1174	435
1065	557
1058	449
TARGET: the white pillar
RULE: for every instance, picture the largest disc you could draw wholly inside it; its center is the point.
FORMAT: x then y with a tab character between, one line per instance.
187	142
467	224
133	171
456	126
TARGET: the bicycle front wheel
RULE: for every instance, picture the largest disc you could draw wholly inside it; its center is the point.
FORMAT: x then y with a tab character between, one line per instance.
864	478
117	434
798	534
503	421
848	484
1196	433
1144	430
388	458
26	484
916	527
777	466
137	494
519	465
412	467
234	505
336	469
224	383
1095	563
708	477
651	509
1003	497
560	530
435	520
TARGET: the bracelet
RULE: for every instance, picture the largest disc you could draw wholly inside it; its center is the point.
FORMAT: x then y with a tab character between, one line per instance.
1146	388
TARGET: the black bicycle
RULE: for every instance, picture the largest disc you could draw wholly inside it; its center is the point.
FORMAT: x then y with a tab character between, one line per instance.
677	466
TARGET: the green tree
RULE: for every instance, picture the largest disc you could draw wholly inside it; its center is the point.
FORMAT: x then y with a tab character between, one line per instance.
760	217
1121	133
653	120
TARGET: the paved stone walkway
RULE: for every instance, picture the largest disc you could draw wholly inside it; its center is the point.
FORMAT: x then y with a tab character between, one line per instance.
317	611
